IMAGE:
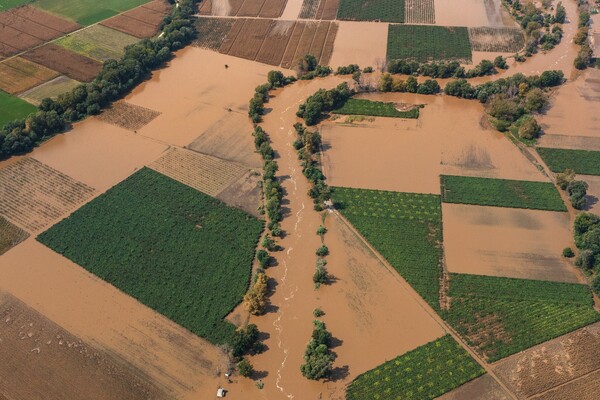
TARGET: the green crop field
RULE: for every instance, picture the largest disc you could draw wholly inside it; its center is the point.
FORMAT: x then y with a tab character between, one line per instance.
375	108
501	193
425	43
87	12
405	228
423	373
502	316
177	250
584	162
373	10
12	108
8	4
98	42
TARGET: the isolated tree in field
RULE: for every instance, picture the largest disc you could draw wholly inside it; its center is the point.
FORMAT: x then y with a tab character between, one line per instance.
255	300
318	358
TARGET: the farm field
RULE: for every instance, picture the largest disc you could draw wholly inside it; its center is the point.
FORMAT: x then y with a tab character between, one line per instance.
212	32
498	40
501	316
10	235
376	10
319	9
149	219
35	195
141	22
570	142
427	372
98	42
8	4
507	242
71	64
128	116
424	43
87	12
376	109
419	12
241	8
51	89
12	108
584	162
554	363
405	228
501	193
18	75
480	13
484	387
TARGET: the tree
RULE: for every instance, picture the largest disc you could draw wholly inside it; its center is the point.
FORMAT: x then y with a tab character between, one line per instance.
412	85
585	260
568	252
535	100
577	191
276	78
529	129
504	109
385	83
596	284
560	14
255	300
321	231
322	251
564	178
584	222
246	341
245	368
306	64
318	357
500	62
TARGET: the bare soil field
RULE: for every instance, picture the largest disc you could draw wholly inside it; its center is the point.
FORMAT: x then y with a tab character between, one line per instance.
33	195
17	40
18	75
46	19
66	62
585	388
212	32
243	8
244	193
419	12
128	116
272	50
570	142
98	154
318	43
593	193
178	363
250	38
423	148
10	235
328	9
472	13
288	56
41	360
482	388
131	26
147	15
161	6
498	40
360	43
555	363
204	173
505	242
51	89
32	28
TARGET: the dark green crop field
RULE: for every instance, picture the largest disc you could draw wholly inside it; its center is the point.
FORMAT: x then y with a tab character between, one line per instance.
424	43
371	10
584	162
375	109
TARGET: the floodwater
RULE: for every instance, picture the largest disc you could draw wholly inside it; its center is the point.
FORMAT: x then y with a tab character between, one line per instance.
408	155
507	242
362	43
372	314
178	362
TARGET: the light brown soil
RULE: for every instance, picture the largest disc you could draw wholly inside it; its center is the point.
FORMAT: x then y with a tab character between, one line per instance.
292	9
507	242
245	193
128	116
131	26
33	195
328	9
98	154
250	39
10	235
64	61
46	19
18	75
586	388
207	174
570	142
472	13
482	388
593	192
554	363
272	8
41	360
179	363
271	51
361	43
316	48
288	59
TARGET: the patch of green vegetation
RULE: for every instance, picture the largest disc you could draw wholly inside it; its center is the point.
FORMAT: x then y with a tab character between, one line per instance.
585	162
8	4
424	43
501	193
423	373
87	12
12	108
10	235
502	316
405	228
375	109
374	10
98	42
178	251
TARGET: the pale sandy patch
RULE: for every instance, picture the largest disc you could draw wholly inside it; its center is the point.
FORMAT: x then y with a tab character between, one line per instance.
292	9
362	43
507	242
460	13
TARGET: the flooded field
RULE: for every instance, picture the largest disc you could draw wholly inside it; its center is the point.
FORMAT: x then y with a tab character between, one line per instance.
362	43
507	242
471	13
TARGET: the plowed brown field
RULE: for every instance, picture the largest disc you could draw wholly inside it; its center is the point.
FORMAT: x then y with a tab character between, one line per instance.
18	75
58	58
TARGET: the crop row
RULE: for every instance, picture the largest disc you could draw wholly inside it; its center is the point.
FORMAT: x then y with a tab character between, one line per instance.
375	109
374	10
423	373
584	162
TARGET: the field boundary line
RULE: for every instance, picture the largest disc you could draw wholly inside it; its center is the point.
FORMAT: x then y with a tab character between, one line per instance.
537	395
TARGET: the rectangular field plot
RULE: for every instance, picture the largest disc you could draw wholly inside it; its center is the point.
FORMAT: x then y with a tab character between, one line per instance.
207	174
212	32
501	193
373	10
12	108
250	38
498	40
319	9
271	52
141	22
376	109
66	62
419	12
405	228
98	42
501	316
507	242
33	195
430	370
173	248
241	8
16	41
484	387
87	12
10	235
8	4
424	43
18	75
51	89
581	161
46	19
128	116
554	363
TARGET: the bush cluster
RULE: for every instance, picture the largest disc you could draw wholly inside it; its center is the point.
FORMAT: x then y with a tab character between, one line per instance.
577	190
256	106
308	68
323	101
318	358
446	69
585	54
307	145
117	78
388	83
587	240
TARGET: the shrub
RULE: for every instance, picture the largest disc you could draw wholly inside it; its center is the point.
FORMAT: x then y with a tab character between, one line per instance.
276	79
317	312
529	129
321	231
564	178
322	251
568	252
320	277
264	259
255	299
246	341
